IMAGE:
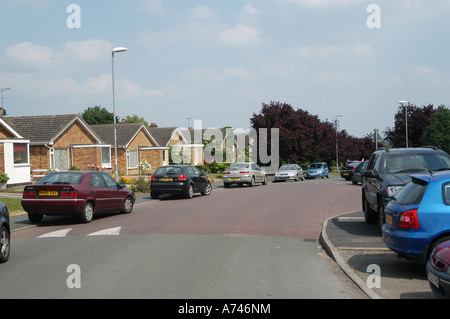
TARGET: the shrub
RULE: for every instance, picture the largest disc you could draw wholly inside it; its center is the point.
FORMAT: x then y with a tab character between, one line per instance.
140	185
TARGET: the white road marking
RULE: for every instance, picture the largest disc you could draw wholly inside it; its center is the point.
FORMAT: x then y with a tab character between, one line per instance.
107	232
58	233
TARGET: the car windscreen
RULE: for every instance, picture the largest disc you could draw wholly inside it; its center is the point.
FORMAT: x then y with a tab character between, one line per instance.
238	166
288	168
169	170
315	166
408	163
61	178
411	194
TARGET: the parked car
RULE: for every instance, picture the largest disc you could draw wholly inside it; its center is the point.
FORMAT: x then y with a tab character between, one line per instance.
79	193
244	173
179	179
347	171
319	169
389	170
5	233
289	172
438	270
358	174
418	217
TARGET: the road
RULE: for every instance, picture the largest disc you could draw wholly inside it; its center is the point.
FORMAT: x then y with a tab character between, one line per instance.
242	242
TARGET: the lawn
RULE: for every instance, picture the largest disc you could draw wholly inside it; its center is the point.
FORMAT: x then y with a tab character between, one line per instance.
14	205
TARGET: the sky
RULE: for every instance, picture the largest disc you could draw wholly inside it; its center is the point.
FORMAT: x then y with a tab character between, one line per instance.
218	61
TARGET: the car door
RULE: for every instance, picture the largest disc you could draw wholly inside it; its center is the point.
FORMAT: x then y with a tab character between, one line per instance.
100	192
370	181
117	195
257	173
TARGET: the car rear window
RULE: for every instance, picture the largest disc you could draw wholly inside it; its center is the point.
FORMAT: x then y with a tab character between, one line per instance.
406	163
238	166
412	193
169	170
446	193
61	178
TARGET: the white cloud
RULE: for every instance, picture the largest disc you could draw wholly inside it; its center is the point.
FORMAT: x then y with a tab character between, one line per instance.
89	51
319	3
30	54
240	35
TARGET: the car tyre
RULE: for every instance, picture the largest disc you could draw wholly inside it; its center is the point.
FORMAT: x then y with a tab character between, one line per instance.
208	189
252	182
128	205
190	191
226	185
154	195
35	218
88	213
5	244
265	180
370	215
381	218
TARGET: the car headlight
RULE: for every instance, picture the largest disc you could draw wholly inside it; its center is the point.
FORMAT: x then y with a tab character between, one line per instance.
393	190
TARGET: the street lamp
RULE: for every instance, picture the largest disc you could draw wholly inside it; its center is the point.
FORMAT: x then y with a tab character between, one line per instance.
115	50
405	104
337	147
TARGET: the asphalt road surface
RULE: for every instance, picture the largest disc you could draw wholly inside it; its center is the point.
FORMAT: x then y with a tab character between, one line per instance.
237	243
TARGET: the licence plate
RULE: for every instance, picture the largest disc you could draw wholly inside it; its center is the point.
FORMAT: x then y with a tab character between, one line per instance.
433	278
48	193
234	179
166	179
346	174
389	219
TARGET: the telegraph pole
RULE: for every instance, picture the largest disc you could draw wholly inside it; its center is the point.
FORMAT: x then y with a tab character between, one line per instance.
1	94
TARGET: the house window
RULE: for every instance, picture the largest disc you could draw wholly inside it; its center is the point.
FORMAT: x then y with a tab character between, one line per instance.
20	153
59	159
106	156
132	159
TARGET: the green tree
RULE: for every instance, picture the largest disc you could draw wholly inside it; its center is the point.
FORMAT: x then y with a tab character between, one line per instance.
135	119
98	115
438	133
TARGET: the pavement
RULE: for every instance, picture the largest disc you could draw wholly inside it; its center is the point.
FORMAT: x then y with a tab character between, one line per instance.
358	249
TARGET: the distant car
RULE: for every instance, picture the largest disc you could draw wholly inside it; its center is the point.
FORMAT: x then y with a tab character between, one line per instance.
318	169
418	217
244	173
438	270
179	179
79	193
347	171
389	170
5	233
358	174
289	172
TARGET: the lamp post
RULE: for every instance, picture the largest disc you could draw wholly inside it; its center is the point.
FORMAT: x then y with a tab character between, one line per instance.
405	104
337	147
115	50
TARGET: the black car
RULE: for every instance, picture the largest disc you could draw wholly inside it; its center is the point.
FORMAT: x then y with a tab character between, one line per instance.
5	233
389	170
358	174
347	171
179	179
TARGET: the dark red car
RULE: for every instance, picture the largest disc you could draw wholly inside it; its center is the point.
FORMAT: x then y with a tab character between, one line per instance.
76	193
438	270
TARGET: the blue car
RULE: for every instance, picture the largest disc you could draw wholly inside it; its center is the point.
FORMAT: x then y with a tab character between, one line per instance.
319	169
418	217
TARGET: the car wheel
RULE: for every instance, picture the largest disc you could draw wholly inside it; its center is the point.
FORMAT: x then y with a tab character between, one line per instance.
5	241
88	213
433	246
381	218
154	195
128	206
35	218
226	185
370	215
190	191
265	180
252	182
208	189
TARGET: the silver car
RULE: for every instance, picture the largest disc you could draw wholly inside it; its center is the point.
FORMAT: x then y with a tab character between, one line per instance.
289	172
244	173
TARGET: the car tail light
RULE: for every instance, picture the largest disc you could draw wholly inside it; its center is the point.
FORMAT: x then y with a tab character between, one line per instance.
71	193
225	173
29	193
244	172
182	178
153	178
409	219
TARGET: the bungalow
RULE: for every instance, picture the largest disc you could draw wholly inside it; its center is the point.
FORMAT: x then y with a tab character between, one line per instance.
14	155
58	142
167	137
134	145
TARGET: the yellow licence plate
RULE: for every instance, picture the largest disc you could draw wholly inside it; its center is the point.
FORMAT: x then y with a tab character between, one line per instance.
48	193
234	179
166	179
389	219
